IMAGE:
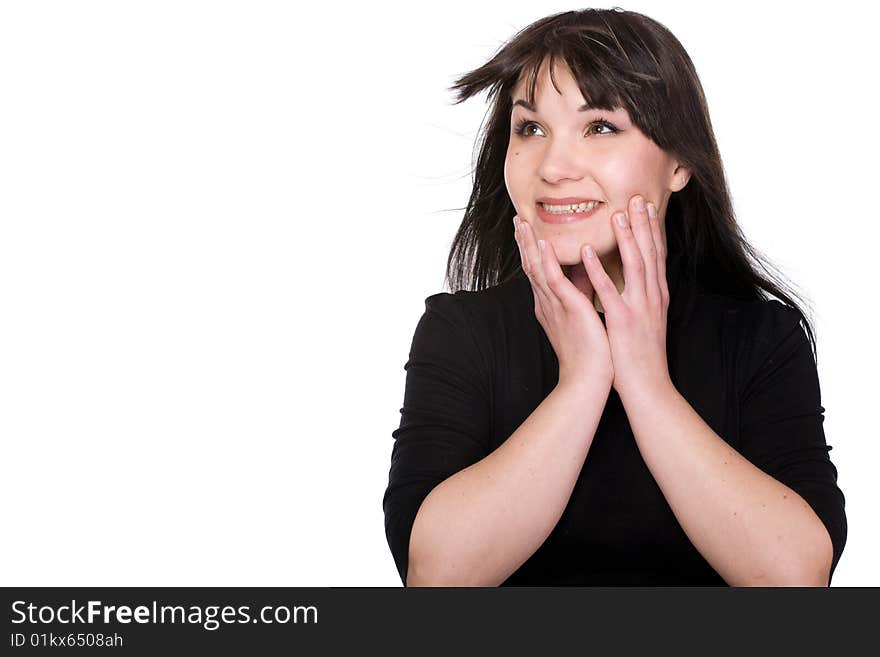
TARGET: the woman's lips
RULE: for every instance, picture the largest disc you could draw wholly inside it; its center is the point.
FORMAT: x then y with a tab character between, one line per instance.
565	217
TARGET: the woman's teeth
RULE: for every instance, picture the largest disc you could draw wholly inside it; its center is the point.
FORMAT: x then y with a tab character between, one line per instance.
580	207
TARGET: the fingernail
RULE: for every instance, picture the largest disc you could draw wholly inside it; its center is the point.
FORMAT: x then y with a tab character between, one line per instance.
621	220
516	220
640	203
588	251
652	211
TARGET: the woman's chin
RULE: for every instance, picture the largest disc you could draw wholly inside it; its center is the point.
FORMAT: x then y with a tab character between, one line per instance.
574	261
570	252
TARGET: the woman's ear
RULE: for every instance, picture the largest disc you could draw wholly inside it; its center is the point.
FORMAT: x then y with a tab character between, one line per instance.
680	178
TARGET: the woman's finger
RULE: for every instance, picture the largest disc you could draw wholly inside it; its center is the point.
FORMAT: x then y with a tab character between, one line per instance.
567	295
530	246
522	256
630	256
662	283
644	239
604	287
529	265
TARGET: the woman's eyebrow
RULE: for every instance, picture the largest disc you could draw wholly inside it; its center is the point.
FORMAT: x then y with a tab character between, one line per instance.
529	106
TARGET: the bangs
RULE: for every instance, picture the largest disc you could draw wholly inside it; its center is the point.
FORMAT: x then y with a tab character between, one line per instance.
606	75
600	83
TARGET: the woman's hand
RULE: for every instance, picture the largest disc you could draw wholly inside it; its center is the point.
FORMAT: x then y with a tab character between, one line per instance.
566	314
636	319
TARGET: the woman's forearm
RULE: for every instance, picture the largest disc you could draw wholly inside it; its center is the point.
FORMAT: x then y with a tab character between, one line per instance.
752	529
481	524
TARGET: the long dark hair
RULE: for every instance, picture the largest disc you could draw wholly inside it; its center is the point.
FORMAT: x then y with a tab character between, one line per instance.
619	59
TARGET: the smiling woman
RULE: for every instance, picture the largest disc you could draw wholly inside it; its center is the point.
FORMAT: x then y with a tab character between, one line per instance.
572	153
614	394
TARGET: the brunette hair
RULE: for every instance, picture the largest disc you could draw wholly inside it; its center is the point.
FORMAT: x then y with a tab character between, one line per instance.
619	59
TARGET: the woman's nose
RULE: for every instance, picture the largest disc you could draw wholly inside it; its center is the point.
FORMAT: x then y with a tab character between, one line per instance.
560	161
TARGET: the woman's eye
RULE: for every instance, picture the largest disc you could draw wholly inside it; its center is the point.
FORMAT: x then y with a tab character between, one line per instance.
523	127
600	124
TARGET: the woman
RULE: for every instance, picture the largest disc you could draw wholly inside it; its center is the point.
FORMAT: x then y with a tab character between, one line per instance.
610	403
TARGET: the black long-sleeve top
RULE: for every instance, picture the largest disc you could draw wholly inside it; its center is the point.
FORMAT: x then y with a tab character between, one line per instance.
480	363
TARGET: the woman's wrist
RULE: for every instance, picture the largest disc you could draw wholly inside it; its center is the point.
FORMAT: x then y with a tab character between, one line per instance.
586	384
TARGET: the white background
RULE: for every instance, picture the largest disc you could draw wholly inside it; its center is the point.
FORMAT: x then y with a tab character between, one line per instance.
218	225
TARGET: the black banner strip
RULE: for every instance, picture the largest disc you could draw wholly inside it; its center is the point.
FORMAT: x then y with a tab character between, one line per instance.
154	621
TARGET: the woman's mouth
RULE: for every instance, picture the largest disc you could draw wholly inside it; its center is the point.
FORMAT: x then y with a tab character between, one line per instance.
567	214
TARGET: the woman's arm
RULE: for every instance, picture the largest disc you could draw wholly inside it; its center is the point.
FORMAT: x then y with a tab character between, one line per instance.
764	510
481	524
752	529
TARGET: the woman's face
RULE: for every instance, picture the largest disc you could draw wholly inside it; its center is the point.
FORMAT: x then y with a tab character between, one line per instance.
567	153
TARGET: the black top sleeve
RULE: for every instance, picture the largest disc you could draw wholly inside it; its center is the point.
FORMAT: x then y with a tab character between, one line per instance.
781	419
445	419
